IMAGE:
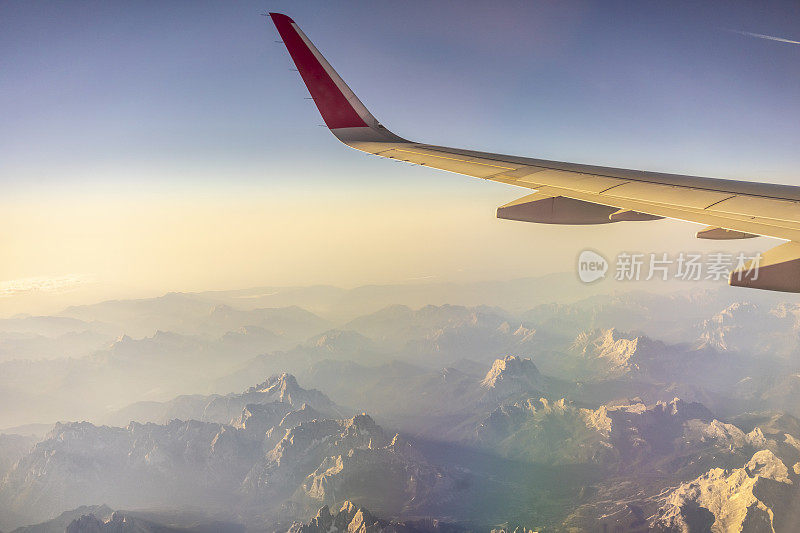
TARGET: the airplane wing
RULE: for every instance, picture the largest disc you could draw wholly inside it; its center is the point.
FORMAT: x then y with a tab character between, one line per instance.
569	193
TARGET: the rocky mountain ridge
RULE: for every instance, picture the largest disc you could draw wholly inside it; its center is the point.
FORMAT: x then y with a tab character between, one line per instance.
226	409
759	495
276	452
356	519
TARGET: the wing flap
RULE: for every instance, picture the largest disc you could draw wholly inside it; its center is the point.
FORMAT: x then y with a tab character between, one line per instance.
778	210
571	181
666	194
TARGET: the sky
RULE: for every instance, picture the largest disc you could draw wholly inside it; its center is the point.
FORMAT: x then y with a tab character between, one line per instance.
156	146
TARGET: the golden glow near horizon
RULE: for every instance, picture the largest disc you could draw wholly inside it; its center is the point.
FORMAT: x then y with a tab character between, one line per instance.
196	243
72	248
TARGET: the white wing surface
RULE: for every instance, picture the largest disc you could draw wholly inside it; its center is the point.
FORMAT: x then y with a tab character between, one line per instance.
569	193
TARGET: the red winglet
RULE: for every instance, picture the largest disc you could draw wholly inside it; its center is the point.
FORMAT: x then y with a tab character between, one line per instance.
334	107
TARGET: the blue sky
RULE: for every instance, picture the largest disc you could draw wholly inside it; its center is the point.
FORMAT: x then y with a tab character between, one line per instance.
170	87
115	109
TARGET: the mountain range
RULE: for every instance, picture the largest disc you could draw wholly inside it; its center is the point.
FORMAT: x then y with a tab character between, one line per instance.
629	411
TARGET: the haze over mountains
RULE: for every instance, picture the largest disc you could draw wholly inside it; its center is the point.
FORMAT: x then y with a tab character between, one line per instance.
189	411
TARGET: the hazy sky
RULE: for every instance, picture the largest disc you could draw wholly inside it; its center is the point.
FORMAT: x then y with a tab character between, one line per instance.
152	146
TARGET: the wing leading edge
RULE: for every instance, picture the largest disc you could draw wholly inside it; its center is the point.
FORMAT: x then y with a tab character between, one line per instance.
570	193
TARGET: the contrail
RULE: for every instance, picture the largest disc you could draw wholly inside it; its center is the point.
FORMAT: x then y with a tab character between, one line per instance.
762	36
